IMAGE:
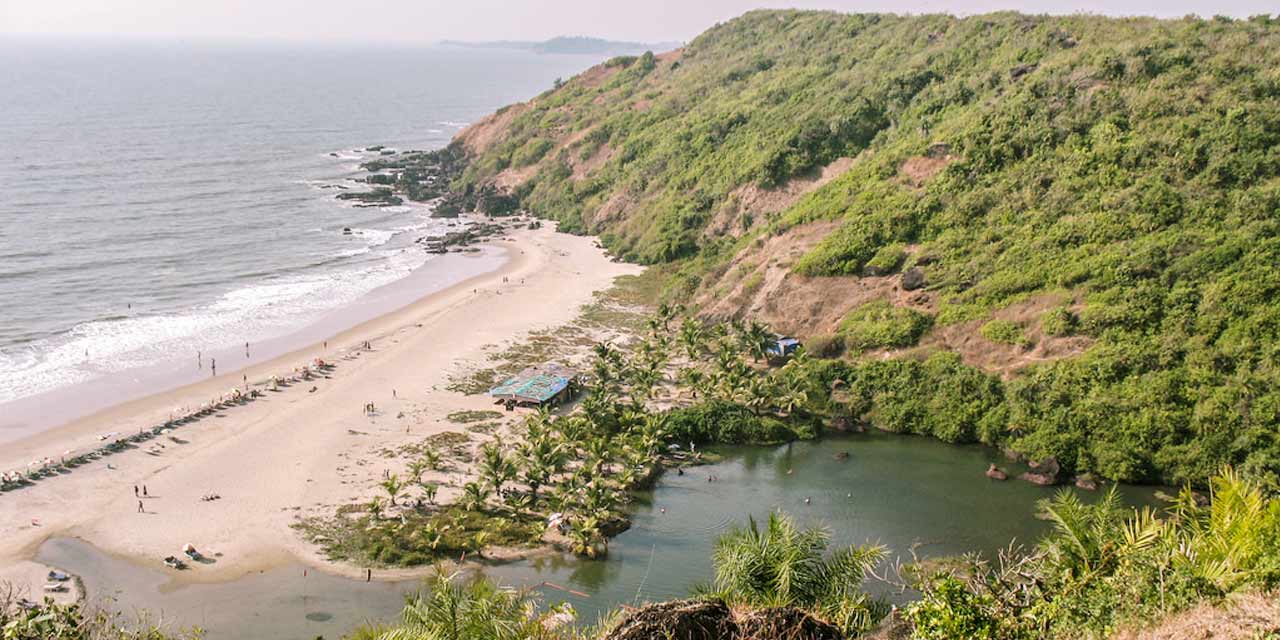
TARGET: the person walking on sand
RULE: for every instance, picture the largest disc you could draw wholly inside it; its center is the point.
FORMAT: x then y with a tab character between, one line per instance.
144	491
246	350
135	490
140	509
199	360
213	366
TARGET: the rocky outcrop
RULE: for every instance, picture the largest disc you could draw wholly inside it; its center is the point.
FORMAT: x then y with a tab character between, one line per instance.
1087	481
713	620
785	622
678	620
996	473
912	279
1045	473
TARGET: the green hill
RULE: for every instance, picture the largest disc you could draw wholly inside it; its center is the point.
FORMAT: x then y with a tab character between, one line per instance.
1085	210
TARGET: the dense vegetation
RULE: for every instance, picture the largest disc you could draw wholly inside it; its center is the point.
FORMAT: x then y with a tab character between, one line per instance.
1128	166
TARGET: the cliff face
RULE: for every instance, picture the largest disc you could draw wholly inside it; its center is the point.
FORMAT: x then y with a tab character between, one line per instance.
1082	206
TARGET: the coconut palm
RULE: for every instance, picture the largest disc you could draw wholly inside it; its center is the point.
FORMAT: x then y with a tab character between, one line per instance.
785	565
429	489
432	459
416	468
791	396
756	394
495	467
756	338
376	508
392	485
693	337
474	496
693	378
450	609
587	537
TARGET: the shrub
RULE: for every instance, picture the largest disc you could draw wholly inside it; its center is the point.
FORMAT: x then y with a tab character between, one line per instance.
880	324
1058	321
887	260
1003	332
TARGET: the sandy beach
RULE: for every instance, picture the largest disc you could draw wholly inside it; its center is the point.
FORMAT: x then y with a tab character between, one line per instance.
297	451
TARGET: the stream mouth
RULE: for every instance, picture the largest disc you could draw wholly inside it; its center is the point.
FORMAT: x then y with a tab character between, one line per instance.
917	496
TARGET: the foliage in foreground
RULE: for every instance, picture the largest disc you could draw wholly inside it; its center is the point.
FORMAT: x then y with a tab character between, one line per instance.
1104	566
51	621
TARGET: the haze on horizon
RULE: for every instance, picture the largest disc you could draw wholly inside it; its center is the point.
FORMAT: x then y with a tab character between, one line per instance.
428	21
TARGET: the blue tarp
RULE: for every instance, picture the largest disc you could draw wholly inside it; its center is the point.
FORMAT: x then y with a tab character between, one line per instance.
784	347
535	384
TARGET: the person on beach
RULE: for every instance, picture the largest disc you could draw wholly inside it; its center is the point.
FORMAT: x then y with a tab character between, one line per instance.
199	360
140	509
144	491
393	393
213	365
246	350
135	490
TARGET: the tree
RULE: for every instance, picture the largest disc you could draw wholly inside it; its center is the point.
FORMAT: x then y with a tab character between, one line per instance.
495	467
784	565
429	489
756	339
449	608
392	486
693	378
693	337
474	496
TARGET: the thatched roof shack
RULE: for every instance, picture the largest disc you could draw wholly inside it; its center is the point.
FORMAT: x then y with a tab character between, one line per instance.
549	383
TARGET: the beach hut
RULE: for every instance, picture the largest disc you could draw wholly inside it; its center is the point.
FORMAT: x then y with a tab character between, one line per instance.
536	386
782	347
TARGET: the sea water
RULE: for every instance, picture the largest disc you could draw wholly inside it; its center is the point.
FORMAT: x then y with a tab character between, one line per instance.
162	199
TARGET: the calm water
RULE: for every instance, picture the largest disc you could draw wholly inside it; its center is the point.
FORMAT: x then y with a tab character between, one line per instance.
163	199
903	492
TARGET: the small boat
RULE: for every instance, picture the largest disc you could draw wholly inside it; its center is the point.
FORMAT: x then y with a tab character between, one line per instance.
58	576
346	231
55	587
174	563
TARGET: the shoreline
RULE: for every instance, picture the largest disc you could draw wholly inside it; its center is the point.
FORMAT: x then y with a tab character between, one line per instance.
297	448
32	416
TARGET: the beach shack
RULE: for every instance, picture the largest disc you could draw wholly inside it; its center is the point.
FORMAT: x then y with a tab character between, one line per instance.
549	384
782	347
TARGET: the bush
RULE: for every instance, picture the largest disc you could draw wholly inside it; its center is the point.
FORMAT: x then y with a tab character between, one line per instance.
722	422
1003	332
886	261
879	324
827	345
1058	321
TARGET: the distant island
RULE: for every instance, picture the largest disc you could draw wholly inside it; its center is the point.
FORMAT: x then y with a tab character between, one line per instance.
570	45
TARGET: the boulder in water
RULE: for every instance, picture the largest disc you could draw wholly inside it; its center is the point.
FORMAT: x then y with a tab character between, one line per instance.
1087	481
996	473
1045	473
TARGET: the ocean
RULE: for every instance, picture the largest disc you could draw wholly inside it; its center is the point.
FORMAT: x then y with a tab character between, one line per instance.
164	199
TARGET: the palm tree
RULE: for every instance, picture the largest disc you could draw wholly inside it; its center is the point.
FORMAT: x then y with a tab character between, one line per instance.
588	540
693	336
450	609
432	459
791	396
392	486
757	394
474	496
784	565
495	467
375	508
430	489
1084	538
693	378
756	339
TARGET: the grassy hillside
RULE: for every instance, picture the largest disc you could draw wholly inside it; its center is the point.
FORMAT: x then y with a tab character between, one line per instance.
1089	205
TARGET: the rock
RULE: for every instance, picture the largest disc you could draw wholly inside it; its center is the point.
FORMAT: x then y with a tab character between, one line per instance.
1021	70
785	622
996	473
677	620
912	279
1087	481
1045	473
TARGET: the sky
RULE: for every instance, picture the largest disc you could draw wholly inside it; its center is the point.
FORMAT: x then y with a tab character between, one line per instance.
426	21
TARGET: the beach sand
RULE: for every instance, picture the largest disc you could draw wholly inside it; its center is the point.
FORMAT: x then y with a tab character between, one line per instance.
295	452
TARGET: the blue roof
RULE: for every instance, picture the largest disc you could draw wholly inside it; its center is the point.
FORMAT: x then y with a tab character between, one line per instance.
535	384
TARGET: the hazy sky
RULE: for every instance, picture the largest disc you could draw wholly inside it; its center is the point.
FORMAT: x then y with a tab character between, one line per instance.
431	20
